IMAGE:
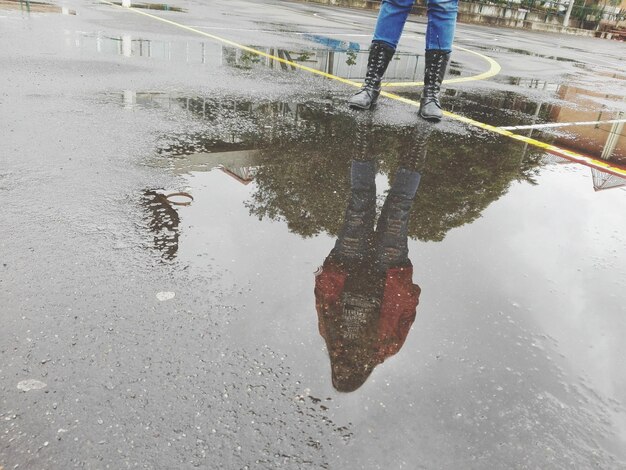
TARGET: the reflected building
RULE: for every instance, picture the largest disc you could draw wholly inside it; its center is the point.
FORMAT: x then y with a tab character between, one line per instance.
583	121
586	121
602	140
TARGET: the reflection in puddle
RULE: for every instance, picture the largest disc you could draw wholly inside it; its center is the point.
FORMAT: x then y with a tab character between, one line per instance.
34	7
364	294
297	154
188	52
606	141
349	64
601	179
246	126
567	105
344	59
317	168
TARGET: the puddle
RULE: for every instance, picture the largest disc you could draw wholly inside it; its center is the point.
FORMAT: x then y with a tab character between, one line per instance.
268	143
380	257
255	125
35	7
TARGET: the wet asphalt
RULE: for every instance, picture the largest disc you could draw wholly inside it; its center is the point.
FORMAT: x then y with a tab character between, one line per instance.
250	321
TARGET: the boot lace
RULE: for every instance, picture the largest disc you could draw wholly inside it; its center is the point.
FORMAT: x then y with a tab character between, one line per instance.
432	83
375	66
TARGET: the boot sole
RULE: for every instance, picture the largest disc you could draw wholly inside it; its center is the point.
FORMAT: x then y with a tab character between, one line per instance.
364	108
430	118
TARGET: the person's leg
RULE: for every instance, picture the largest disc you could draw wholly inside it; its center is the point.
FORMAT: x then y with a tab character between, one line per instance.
439	36
441	24
391	19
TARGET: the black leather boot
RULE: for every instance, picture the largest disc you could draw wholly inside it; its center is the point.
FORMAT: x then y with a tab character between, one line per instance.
393	224
436	64
358	227
379	58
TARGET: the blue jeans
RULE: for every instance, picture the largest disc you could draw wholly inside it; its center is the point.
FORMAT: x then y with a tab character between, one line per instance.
439	31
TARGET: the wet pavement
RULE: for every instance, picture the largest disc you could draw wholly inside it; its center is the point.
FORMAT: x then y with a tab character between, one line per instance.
209	261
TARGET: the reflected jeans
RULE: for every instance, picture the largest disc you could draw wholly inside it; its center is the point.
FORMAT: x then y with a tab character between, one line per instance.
439	31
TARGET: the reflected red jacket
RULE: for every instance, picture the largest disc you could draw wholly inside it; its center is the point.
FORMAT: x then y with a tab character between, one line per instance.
398	306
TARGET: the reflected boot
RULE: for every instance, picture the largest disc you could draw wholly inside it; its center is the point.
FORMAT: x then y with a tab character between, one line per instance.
414	146
436	64
363	138
379	58
355	236
393	225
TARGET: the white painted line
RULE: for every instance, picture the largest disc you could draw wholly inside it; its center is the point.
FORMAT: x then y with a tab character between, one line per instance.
561	124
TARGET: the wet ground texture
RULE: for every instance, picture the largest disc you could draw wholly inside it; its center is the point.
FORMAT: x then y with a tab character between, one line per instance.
208	261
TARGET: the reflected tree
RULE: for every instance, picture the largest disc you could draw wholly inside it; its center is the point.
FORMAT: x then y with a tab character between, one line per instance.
305	148
305	182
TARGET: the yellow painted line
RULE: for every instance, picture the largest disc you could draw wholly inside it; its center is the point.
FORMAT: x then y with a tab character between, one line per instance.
577	157
494	69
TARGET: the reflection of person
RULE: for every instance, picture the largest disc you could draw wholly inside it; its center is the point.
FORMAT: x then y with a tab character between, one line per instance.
365	298
439	35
